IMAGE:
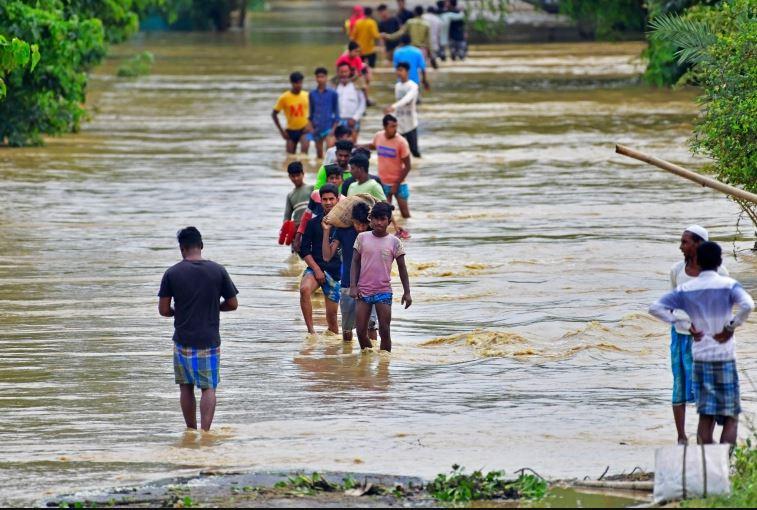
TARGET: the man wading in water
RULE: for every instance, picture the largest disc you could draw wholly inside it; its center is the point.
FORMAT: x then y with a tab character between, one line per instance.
196	286
681	361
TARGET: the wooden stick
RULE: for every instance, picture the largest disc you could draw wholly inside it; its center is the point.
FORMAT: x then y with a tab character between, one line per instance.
708	182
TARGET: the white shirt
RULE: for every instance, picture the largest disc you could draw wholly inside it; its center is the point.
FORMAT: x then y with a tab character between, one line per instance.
351	101
678	277
435	26
330	157
709	300
405	107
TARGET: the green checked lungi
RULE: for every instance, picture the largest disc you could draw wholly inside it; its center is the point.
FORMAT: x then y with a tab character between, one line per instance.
198	367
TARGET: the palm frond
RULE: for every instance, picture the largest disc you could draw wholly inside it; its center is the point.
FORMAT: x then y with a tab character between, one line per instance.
691	38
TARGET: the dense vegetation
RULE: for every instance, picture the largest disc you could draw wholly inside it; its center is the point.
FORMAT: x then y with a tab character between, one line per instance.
605	19
65	40
720	43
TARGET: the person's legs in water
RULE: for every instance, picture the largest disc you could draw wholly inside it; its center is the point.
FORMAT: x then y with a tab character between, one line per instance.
384	313
304	144
363	315
207	408
307	287
348	307
188	405
332	307
373	325
412	141
291	146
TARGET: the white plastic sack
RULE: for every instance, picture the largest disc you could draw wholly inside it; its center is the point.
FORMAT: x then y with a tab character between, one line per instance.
695	471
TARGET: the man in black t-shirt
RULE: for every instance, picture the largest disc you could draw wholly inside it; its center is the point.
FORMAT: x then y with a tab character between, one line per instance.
320	273
196	286
388	24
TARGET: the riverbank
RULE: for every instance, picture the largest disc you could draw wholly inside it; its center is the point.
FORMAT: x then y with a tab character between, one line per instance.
287	489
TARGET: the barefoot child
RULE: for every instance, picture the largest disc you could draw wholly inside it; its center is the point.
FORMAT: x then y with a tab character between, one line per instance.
708	300
344	238
371	275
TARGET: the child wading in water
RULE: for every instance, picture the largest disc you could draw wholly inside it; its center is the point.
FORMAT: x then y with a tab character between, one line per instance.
371	275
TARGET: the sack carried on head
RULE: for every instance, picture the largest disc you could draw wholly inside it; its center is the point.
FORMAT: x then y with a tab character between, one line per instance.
341	215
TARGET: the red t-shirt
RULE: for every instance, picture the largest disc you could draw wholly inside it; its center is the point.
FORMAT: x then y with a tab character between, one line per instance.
356	63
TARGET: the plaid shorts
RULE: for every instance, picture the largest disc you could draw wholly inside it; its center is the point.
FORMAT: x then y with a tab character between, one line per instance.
199	367
716	387
331	288
682	366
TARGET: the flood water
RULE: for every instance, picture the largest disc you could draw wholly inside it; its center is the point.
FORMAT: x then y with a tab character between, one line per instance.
535	251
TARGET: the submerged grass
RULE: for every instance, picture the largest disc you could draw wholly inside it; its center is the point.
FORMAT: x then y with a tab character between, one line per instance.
458	486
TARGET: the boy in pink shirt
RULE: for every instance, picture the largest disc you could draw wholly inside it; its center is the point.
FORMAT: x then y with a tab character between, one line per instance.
371	275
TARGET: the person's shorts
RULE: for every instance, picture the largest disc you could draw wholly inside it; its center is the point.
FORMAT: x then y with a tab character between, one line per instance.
403	192
383	298
198	367
295	134
716	387
346	123
319	135
348	307
331	288
370	59
682	365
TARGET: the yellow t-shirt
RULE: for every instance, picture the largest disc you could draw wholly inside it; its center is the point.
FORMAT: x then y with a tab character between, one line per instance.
365	32
296	109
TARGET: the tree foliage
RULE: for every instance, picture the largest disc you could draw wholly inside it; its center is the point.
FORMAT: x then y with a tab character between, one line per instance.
605	19
721	44
16	54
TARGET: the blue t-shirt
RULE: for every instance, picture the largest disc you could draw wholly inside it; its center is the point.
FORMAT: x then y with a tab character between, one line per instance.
346	238
324	109
412	56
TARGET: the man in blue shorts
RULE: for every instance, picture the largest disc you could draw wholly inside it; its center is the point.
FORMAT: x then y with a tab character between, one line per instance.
196	286
320	273
324	111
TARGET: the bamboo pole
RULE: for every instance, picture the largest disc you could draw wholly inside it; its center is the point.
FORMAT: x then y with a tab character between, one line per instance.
708	182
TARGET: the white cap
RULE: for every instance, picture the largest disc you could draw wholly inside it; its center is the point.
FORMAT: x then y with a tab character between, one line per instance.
700	231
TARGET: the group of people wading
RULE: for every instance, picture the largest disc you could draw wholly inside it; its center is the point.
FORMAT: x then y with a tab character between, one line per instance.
352	264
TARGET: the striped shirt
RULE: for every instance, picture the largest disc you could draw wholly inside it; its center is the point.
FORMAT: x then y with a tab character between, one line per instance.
708	300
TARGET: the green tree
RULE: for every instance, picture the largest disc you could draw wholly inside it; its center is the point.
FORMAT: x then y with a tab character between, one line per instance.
50	100
16	54
721	45
605	19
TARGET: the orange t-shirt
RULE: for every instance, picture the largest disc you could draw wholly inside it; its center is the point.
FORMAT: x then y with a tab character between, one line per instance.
391	152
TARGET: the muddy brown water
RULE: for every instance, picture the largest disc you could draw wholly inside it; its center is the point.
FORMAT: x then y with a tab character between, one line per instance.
534	255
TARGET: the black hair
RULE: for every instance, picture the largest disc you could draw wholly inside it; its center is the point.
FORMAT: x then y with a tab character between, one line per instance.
453	3
382	7
382	210
353	46
333	170
295	167
431	9
361	151
368	11
404	65
189	237
359	161
344	145
360	212
328	188
388	118
419	10
296	77
709	256
405	40
341	131
440	5
320	70
344	63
